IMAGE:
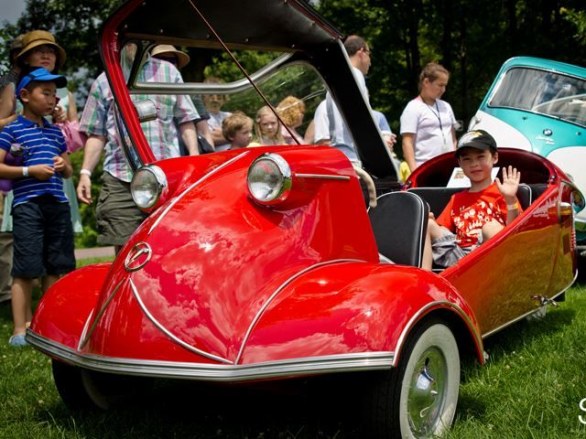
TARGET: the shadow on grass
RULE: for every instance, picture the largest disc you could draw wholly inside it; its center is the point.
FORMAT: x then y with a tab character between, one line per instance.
524	332
183	409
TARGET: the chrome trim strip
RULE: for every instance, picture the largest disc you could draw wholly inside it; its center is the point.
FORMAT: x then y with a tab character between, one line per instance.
354	362
416	317
99	315
86	327
203	178
323	176
276	292
169	334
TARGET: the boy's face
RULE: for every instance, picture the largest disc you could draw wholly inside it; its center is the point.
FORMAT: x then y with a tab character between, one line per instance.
477	164
40	98
242	137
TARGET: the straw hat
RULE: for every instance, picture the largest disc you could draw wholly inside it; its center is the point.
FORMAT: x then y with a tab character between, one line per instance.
182	57
38	38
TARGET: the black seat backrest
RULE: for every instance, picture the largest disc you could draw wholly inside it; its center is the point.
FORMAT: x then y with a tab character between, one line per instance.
525	195
399	222
438	197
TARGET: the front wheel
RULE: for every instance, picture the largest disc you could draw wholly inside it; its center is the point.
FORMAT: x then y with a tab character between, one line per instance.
418	398
69	382
83	389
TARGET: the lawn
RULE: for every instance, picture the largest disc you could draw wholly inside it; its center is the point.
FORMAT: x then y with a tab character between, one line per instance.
530	388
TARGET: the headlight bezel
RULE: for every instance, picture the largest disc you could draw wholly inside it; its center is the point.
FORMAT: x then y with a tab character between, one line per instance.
158	181
277	183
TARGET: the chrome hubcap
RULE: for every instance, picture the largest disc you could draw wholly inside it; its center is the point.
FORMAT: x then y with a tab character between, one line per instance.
427	391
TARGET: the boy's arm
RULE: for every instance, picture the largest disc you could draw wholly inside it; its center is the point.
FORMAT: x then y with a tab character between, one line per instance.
40	172
445	218
63	165
508	189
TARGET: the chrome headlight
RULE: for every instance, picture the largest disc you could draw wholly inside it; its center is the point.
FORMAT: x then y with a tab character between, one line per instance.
269	179
147	186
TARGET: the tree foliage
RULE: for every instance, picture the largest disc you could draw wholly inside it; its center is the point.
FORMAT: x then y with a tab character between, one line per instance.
472	38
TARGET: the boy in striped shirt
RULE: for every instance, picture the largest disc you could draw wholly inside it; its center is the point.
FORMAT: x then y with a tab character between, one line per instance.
43	234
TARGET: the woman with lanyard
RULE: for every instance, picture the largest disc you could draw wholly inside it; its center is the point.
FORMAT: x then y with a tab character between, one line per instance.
428	124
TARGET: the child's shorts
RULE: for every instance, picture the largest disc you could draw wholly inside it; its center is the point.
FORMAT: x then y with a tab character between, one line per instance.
446	252
43	238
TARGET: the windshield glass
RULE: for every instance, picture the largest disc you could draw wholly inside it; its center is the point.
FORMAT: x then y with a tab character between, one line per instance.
218	88
543	92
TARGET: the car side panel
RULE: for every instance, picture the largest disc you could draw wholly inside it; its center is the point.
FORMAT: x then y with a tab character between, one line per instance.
500	279
350	308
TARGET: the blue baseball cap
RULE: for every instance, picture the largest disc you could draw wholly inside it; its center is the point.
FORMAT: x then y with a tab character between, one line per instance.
40	74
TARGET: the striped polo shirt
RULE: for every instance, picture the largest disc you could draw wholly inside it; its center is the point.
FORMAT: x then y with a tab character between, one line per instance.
40	144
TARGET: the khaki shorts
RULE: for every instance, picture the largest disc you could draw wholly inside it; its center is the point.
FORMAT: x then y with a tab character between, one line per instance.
446	252
117	216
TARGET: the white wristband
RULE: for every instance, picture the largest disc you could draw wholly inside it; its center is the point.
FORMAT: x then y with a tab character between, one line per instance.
85	172
25	171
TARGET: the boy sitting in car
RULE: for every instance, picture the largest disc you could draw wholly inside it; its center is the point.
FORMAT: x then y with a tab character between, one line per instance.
477	214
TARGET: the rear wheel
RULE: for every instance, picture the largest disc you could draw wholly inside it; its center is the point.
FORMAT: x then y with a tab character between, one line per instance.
418	398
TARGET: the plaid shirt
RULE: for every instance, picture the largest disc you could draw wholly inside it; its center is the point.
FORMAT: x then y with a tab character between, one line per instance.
161	134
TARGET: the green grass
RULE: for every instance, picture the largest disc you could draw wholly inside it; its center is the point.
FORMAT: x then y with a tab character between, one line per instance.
530	388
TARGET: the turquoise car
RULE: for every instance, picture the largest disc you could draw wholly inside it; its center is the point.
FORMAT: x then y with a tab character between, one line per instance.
539	105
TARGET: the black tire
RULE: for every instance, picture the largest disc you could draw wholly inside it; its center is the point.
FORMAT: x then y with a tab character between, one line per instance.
83	389
69	383
419	397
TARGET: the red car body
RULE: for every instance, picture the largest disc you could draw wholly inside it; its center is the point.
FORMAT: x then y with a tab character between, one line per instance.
217	286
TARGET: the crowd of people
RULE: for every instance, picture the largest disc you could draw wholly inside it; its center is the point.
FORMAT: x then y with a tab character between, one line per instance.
38	114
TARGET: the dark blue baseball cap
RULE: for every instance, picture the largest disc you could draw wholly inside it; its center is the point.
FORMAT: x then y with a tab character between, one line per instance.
40	74
477	139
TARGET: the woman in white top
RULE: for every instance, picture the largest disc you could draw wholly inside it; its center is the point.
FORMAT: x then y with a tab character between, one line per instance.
428	124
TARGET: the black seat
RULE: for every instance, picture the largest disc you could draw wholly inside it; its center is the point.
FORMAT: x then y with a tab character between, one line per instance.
525	195
438	197
399	222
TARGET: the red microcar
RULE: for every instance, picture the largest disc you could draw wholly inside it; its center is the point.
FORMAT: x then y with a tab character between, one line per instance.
267	263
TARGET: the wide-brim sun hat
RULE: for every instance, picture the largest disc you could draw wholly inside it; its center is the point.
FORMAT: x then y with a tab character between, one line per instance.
38	38
182	57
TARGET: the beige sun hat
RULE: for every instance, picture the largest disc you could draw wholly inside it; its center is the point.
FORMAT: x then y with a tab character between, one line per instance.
38	38
182	57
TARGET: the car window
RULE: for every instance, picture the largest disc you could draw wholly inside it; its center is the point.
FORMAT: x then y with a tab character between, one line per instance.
219	84
543	92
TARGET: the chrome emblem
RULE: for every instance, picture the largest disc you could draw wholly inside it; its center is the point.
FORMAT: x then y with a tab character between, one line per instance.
138	257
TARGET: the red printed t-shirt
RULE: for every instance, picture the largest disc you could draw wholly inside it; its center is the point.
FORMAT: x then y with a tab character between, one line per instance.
467	212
